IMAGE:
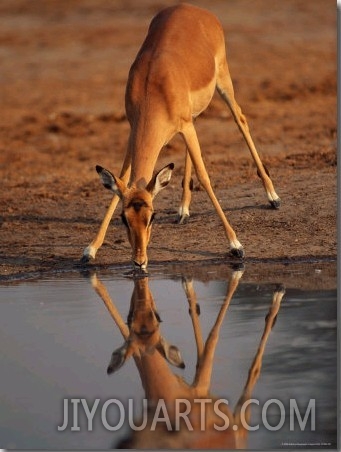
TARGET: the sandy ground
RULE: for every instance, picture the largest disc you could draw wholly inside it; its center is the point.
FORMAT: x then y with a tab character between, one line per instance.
64	66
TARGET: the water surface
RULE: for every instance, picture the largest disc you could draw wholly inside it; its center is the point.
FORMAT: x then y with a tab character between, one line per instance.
57	338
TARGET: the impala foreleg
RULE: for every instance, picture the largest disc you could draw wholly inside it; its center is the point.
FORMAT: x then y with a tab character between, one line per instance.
202	379
192	142
225	89
91	250
187	187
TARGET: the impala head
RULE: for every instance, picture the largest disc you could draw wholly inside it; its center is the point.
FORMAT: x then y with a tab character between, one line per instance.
144	331
137	209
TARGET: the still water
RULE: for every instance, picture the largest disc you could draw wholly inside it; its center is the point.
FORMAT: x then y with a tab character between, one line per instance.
257	348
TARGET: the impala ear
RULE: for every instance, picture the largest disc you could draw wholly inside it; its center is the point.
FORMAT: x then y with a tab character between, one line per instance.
171	353
118	358
160	180
111	182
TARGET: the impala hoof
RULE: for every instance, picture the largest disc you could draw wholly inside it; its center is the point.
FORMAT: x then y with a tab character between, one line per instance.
139	273
275	204
238	252
238	267
139	270
183	219
280	288
197	310
85	259
88	254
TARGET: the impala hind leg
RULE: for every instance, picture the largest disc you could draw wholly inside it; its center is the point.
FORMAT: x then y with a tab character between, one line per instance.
242	419
225	89
193	146
91	250
187	187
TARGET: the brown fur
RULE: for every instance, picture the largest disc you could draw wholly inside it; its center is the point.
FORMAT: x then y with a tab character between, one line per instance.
172	80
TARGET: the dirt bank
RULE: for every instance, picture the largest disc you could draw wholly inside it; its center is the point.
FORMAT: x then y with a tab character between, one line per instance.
64	67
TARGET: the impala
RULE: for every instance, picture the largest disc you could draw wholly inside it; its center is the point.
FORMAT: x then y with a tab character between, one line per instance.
172	80
153	354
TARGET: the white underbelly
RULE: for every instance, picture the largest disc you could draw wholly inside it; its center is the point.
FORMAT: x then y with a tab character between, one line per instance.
201	98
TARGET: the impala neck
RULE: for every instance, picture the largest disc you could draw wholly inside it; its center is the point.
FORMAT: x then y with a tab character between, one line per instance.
147	138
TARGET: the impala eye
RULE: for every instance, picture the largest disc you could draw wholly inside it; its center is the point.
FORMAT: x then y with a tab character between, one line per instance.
124	220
